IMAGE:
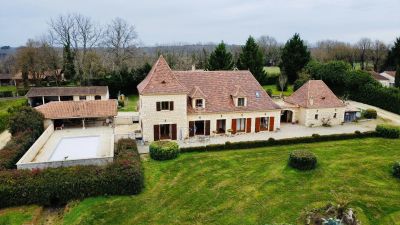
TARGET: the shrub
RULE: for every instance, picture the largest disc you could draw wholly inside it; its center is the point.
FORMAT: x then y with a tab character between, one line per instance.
15	149
121	103
164	150
60	185
3	121
269	92
286	141
302	160
370	114
396	169
388	131
26	119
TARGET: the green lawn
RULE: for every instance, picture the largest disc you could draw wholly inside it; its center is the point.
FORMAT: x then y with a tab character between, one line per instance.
6	104
256	187
8	88
272	70
276	92
130	104
19	215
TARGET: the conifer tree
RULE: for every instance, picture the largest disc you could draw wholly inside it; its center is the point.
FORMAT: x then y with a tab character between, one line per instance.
252	58
220	59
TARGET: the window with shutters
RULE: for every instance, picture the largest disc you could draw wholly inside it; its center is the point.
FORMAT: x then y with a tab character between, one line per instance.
165	106
241	125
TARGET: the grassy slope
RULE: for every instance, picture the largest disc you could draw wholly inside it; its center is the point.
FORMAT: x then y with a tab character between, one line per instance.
130	103
18	215
276	92
256	187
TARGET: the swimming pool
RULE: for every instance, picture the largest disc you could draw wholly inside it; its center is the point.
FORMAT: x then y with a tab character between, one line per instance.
72	148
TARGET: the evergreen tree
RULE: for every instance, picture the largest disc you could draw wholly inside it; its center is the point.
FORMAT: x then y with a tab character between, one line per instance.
393	58
295	56
397	77
220	59
252	58
68	62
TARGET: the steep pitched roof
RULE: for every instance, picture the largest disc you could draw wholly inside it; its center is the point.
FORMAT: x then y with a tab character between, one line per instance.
315	94
161	80
67	91
219	86
78	109
197	93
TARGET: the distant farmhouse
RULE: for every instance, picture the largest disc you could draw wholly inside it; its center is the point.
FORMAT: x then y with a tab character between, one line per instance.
390	75
42	95
384	80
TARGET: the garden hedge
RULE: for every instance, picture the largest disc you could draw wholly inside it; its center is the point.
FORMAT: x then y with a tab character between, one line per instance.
55	186
302	160
164	150
388	131
272	142
370	114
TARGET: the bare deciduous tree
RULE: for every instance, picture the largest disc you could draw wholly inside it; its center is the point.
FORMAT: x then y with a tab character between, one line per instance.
271	49
282	82
120	38
379	53
364	49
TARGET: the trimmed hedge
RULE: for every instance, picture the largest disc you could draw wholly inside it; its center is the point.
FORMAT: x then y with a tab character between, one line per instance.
272	142
55	186
370	114
388	131
396	169
164	150
302	160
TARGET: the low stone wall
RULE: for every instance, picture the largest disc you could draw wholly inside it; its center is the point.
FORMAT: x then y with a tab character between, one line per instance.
35	148
55	164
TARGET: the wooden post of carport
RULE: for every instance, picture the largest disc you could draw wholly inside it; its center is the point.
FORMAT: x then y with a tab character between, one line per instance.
83	123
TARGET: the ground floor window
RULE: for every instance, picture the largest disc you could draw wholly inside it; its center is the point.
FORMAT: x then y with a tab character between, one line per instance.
199	127
264	123
241	125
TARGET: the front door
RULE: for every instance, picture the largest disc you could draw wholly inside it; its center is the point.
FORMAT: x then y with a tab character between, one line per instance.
221	126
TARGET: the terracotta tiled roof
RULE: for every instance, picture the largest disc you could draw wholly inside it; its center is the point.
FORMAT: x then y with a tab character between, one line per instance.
377	76
67	91
161	80
5	76
219	86
78	109
391	73
315	94
239	92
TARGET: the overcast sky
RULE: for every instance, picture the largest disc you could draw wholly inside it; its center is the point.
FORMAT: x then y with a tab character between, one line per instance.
174	21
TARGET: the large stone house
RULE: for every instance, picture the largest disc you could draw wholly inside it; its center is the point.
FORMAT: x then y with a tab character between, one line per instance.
313	104
182	104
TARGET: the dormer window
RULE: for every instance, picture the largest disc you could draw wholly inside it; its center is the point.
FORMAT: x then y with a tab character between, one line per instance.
199	103
241	102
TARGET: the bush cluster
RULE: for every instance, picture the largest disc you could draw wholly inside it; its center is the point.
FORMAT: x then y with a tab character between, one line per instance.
164	150
5	94
15	149
388	131
396	169
26	119
370	114
272	142
302	160
3	121
59	185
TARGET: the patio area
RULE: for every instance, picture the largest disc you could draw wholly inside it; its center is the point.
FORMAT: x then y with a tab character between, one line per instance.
287	130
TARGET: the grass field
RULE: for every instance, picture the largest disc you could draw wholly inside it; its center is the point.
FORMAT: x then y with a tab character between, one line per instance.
8	88
18	215
255	187
6	104
276	92
130	104
272	70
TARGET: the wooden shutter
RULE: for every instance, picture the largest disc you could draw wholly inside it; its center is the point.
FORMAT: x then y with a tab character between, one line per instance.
171	106
271	123
158	106
258	123
207	126
248	125
191	128
233	126
156	132
174	134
